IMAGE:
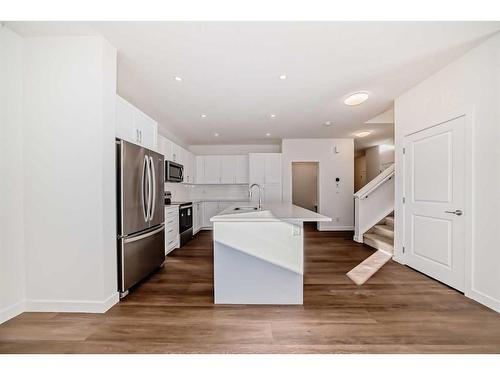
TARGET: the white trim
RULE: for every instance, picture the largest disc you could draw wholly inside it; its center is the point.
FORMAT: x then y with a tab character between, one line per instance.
72	306
336	228
488	301
11	311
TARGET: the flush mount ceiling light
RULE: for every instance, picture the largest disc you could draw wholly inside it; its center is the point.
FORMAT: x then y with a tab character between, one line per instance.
273	115
203	115
328	123
283	76
268	134
178	79
216	134
363	134
356	99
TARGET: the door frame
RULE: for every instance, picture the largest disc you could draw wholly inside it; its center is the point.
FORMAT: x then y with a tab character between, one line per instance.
469	126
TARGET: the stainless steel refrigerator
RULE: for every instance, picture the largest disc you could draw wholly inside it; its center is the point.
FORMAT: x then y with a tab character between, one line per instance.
141	216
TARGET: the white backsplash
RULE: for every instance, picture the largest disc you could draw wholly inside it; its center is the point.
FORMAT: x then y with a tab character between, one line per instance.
238	192
182	192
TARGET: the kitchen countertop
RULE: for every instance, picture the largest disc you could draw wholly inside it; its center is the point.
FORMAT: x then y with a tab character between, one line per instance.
269	212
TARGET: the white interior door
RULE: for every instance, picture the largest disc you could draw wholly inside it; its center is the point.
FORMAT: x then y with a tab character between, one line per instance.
434	202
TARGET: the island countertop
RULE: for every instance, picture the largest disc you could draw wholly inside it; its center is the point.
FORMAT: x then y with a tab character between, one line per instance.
268	212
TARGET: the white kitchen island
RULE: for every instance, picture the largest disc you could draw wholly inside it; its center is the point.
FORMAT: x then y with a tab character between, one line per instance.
259	254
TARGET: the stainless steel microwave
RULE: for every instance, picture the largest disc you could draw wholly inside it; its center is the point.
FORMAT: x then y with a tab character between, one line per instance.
173	172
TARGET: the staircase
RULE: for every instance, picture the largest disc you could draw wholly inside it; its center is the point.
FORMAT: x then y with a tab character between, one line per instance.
374	224
381	236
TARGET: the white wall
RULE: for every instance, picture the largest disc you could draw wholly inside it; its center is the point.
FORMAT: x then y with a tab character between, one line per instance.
360	179
12	283
333	202
232	149
69	169
470	86
378	158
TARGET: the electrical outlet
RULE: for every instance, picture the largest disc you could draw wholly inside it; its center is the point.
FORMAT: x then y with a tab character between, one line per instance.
337	219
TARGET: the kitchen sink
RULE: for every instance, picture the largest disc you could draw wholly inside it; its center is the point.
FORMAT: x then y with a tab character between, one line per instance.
245	208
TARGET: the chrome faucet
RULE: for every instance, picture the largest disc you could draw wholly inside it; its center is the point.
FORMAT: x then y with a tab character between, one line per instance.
260	194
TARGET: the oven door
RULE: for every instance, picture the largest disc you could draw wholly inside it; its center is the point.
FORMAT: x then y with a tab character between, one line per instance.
173	172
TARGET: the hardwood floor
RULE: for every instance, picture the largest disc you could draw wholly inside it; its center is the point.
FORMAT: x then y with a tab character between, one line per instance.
397	311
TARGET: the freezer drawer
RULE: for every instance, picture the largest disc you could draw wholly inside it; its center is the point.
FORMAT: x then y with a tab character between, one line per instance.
139	256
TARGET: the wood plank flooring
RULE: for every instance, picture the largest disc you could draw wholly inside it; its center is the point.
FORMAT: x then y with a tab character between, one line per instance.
397	311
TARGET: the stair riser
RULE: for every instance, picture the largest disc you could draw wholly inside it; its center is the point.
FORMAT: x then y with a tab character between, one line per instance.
384	232
379	245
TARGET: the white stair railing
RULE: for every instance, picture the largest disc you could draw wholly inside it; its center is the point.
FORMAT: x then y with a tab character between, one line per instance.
373	202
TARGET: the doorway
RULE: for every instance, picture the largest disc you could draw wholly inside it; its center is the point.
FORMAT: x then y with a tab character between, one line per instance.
305	185
434	191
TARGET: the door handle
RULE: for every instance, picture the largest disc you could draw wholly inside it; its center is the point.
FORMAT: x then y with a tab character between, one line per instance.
456	212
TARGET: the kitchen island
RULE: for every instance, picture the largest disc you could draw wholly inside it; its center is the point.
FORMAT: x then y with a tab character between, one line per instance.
259	253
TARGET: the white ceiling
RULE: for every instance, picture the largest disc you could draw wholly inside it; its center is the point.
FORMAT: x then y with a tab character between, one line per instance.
231	70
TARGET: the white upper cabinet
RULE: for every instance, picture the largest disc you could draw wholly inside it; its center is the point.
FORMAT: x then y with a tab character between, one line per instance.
200	169
265	170
176	152
273	169
135	126
227	169
241	175
211	171
257	169
221	169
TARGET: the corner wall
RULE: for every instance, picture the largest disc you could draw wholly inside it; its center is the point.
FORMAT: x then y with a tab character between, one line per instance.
470	86
337	203
12	282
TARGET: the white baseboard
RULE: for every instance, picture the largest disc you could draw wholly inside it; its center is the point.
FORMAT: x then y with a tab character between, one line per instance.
399	260
72	306
11	311
335	228
483	299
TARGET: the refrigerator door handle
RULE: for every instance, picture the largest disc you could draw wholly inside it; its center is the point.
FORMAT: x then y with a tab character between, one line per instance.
144	188
153	201
145	235
150	188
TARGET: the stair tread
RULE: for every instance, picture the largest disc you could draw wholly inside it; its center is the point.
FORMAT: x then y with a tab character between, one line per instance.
389	220
379	241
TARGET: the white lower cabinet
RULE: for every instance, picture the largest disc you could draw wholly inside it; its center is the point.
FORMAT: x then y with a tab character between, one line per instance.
212	208
171	228
209	209
197	216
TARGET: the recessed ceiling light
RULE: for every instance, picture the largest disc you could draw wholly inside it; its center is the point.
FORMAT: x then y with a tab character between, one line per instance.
178	79
362	134
356	98
203	115
216	134
273	115
328	123
283	77
268	134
